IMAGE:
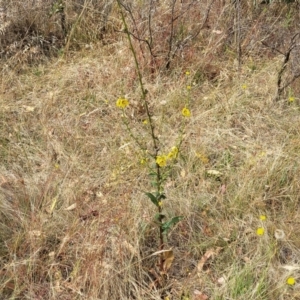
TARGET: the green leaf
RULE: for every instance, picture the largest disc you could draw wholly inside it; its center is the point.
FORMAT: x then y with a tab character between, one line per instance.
152	174
167	225
153	199
159	216
161	196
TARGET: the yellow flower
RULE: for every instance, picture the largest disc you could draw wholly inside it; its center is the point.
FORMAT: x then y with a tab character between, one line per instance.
160	204
291	281
262	217
188	87
145	122
260	231
143	161
173	153
202	157
161	160
186	112
291	99
122	103
244	86
262	154
187	73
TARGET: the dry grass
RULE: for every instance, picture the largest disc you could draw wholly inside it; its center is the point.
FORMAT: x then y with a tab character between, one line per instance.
74	220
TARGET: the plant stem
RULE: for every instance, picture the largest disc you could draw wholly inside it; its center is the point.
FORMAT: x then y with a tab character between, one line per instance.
143	147
153	136
144	91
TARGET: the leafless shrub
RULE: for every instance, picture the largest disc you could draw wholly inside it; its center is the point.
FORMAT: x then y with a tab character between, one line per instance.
163	30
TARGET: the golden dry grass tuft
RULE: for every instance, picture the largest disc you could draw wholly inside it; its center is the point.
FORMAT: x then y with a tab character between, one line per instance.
74	220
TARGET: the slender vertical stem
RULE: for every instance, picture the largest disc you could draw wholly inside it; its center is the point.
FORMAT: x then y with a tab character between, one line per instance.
154	138
143	147
171	36
144	91
160	218
238	31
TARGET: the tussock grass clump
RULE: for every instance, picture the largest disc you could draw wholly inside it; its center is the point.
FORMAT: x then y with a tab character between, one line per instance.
33	31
